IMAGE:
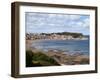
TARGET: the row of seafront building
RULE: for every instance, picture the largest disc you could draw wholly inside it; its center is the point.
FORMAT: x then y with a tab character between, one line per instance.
54	36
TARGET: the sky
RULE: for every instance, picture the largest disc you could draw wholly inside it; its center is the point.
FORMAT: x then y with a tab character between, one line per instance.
53	23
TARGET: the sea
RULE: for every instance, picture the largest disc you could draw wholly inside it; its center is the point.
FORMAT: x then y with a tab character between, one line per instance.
67	46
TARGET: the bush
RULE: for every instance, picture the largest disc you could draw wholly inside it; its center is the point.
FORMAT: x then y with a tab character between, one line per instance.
38	59
29	55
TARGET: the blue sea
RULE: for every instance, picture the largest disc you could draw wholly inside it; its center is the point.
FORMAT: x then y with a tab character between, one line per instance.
70	46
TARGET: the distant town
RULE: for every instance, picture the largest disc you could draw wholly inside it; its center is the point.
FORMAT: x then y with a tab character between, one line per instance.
56	36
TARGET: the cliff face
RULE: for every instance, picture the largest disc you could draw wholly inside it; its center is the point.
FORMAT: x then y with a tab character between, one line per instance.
56	36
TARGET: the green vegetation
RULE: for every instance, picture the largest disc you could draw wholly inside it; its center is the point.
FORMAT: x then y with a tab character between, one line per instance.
38	59
74	35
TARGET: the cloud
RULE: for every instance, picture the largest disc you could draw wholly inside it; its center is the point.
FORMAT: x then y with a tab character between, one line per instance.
86	23
74	17
43	22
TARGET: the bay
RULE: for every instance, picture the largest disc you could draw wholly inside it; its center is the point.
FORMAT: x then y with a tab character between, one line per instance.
69	46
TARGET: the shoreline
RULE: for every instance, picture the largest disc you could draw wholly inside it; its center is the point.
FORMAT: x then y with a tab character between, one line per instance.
60	56
30	42
65	59
57	39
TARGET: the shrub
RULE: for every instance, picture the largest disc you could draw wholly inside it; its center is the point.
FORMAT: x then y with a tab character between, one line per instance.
39	59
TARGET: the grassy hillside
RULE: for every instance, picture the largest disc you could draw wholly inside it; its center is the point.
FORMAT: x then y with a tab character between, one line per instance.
38	59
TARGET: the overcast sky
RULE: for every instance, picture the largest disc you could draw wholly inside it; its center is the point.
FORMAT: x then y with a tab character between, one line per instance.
49	23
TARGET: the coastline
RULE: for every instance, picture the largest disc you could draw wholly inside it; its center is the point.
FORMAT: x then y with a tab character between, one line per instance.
60	56
38	40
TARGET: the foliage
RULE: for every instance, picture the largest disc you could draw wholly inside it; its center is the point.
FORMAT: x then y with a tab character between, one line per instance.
29	55
75	35
38	59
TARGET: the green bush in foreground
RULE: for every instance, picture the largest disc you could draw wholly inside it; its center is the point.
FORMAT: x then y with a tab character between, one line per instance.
38	59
